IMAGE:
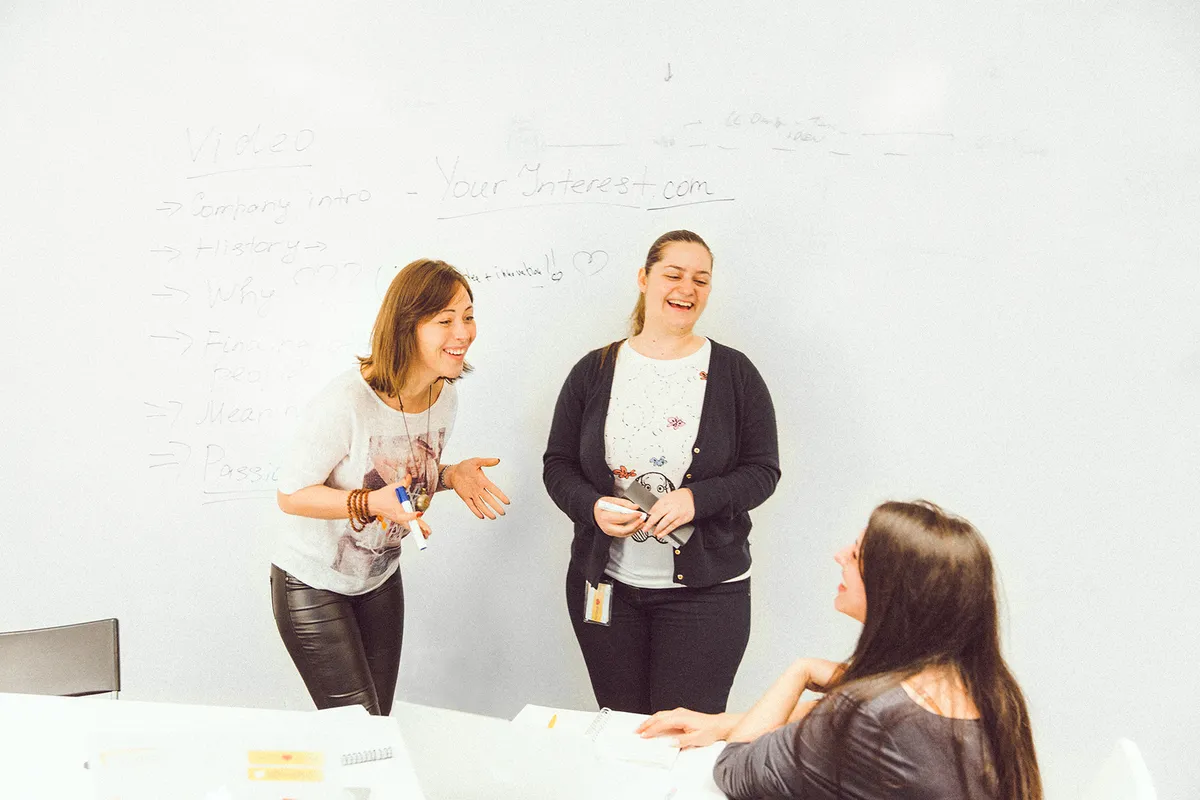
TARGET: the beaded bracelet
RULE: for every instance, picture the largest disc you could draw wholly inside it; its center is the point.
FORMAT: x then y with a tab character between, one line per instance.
364	507
358	509
352	512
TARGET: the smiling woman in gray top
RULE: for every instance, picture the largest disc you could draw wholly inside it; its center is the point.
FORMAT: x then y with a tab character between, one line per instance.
924	708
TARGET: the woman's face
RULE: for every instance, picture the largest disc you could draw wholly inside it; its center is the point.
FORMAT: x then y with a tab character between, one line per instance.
677	287
443	339
851	597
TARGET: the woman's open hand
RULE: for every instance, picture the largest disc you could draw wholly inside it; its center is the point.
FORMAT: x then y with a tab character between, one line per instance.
691	728
467	480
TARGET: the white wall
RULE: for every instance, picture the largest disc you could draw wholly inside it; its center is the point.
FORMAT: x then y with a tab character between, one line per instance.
960	243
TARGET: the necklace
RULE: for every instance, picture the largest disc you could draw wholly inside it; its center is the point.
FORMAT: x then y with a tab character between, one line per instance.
420	497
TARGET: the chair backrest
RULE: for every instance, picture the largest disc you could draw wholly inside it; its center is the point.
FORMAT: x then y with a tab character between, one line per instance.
1123	776
70	660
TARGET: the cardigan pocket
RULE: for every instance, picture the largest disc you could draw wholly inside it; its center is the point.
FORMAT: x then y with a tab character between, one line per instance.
725	531
718	536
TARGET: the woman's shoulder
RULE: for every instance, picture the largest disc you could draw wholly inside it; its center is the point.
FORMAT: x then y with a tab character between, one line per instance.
594	360
347	385
733	362
729	354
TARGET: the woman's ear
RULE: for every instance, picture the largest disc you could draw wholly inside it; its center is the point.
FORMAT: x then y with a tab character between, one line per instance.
641	280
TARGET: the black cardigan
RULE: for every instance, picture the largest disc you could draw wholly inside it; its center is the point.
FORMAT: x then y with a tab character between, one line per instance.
735	464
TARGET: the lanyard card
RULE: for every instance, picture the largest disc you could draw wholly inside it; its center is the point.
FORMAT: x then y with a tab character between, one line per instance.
598	606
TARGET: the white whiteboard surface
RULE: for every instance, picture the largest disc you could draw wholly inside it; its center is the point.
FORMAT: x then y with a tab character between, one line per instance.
960	241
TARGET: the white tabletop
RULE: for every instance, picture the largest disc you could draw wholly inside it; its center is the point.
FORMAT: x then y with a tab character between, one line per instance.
44	742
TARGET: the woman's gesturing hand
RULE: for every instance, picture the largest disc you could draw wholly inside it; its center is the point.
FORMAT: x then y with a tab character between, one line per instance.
672	510
691	728
615	524
467	480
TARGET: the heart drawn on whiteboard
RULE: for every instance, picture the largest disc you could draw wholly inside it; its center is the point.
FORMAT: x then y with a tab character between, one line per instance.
589	262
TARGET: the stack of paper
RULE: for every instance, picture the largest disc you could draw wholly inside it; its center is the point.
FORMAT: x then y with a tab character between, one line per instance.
612	733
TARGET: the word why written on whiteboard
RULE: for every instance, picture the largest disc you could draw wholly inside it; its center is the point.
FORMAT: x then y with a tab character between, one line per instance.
534	185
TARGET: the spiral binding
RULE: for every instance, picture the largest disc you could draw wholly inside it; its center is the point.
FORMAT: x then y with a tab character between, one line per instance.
598	723
363	756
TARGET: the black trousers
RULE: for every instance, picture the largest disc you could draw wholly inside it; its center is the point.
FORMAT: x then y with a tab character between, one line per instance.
664	648
346	647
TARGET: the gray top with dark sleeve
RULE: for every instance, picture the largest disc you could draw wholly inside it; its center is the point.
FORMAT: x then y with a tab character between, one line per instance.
891	748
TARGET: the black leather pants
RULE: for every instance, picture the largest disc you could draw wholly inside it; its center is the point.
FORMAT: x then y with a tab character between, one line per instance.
346	647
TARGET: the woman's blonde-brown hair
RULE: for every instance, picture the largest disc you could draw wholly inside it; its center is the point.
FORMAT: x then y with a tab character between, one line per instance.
419	291
637	320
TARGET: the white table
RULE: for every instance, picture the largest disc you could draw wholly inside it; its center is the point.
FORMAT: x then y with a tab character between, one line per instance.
454	755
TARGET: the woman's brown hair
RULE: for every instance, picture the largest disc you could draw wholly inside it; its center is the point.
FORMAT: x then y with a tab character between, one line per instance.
637	320
419	291
931	601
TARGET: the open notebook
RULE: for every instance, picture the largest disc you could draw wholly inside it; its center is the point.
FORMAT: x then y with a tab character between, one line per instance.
611	733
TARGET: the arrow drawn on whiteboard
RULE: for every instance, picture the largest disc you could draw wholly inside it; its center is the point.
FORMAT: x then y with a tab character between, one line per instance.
669	75
178	338
167	249
321	245
172	292
170	211
154	410
175	454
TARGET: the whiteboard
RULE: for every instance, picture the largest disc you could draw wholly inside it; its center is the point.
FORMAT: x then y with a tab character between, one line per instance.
960	242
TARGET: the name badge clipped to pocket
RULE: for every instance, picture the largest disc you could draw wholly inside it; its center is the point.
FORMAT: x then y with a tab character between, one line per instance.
598	606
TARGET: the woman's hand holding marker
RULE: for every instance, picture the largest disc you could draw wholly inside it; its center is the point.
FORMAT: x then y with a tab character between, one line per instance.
618	517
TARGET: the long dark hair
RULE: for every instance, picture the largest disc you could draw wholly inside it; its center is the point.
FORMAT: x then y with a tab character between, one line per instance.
931	602
637	320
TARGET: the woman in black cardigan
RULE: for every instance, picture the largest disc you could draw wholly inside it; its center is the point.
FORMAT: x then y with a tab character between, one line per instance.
682	428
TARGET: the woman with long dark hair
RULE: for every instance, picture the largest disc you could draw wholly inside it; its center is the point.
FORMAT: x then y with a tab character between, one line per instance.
925	707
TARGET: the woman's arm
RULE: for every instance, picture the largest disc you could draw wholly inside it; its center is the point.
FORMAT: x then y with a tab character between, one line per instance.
562	473
767	767
754	477
325	502
781	703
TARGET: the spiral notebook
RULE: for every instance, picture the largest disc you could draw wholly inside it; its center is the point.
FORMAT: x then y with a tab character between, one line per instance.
364	756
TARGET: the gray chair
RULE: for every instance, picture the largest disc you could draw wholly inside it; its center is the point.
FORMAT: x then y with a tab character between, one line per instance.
69	661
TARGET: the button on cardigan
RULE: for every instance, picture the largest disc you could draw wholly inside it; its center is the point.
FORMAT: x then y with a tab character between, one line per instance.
734	469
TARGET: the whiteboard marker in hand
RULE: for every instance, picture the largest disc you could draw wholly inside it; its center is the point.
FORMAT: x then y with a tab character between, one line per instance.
607	506
413	526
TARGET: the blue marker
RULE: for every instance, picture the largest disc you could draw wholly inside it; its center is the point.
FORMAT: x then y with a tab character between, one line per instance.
406	504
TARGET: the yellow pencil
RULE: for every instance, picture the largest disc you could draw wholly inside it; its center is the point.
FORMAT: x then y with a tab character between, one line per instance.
553	719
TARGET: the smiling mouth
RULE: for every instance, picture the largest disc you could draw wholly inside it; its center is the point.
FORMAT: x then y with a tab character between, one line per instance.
682	305
456	353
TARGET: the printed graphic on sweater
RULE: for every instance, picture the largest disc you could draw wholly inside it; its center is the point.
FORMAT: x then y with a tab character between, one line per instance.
659	485
370	552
